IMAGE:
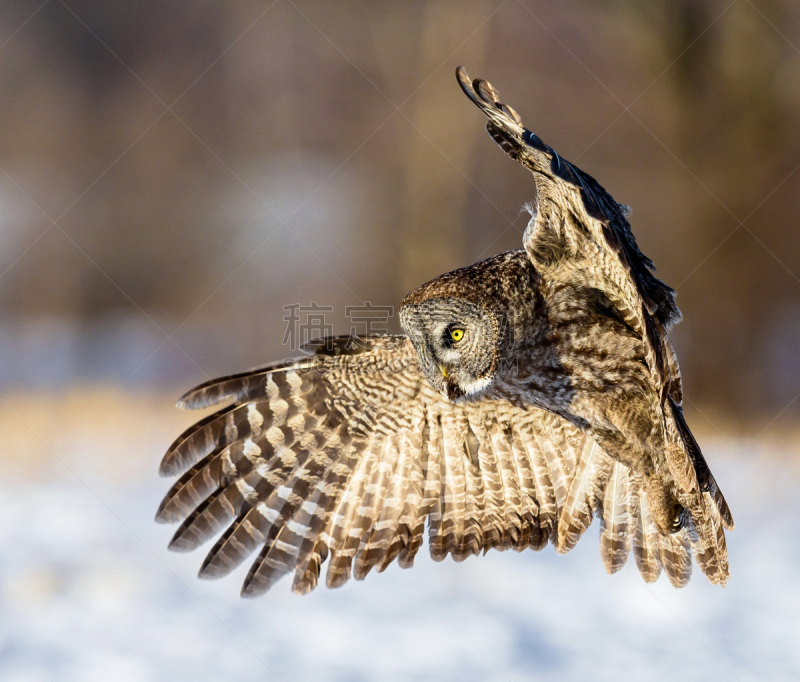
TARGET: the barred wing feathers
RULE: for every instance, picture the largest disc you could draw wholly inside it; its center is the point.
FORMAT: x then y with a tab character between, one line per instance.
343	458
505	127
614	263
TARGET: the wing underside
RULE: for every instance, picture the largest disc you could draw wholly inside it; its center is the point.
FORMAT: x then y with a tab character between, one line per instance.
345	459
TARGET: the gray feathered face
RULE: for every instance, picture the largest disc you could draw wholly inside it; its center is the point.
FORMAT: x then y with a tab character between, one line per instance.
457	343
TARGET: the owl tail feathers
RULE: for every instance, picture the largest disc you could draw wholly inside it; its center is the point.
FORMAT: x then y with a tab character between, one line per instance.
603	487
702	535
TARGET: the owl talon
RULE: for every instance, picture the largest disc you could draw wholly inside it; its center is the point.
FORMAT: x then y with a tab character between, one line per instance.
679	521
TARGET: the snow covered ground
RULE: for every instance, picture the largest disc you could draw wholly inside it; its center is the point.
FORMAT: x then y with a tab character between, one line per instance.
89	592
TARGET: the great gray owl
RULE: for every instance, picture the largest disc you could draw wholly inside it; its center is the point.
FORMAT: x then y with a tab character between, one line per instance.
533	390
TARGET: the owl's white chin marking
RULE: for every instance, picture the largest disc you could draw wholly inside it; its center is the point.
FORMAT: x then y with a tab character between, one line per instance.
476	386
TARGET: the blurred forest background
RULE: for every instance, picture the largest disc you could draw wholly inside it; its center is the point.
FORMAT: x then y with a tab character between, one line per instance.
204	171
172	175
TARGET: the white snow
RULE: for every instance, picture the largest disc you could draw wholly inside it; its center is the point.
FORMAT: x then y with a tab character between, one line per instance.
89	592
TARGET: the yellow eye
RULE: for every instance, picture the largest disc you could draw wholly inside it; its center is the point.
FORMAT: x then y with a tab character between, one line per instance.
456	334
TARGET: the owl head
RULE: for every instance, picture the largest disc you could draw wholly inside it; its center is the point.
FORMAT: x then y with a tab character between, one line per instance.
462	323
457	341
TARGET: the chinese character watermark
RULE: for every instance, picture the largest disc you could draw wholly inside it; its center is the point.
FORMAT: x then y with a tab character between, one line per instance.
372	319
305	324
311	326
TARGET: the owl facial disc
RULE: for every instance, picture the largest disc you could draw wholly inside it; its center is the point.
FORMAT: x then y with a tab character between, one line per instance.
456	340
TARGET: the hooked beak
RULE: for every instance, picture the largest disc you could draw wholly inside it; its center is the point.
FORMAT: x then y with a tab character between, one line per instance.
451	389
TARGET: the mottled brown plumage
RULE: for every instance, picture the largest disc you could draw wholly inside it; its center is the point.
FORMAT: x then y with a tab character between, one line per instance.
533	391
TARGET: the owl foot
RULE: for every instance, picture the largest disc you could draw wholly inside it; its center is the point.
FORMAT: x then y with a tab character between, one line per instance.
679	519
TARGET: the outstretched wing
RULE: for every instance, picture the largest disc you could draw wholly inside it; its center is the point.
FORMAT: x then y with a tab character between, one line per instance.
574	202
575	215
610	226
344	456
